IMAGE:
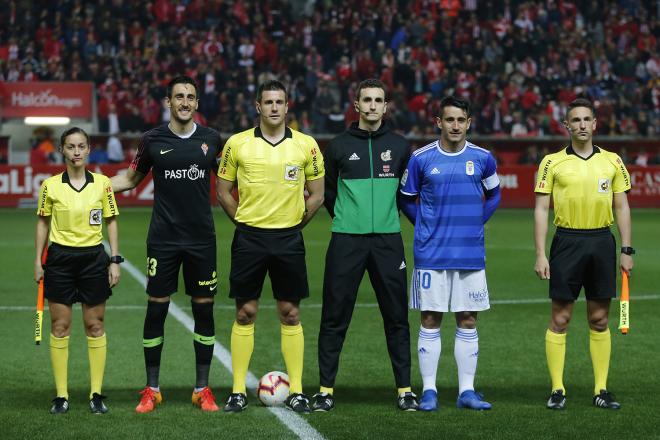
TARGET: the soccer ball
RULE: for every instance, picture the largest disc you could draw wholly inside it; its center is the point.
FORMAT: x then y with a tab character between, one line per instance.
273	388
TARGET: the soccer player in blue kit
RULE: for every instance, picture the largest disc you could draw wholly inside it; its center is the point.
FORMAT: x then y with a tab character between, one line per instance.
451	189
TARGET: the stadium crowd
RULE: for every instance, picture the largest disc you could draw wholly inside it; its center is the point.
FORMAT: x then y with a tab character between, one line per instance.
518	62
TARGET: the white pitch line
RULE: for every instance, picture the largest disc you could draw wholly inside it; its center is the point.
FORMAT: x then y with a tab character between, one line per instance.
291	420
318	306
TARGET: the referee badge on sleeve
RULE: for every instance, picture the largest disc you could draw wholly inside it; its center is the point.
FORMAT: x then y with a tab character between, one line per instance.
95	216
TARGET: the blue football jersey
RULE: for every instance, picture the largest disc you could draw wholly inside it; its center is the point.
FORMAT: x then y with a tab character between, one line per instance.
449	228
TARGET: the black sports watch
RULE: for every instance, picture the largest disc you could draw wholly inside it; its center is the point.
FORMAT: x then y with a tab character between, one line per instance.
627	250
117	259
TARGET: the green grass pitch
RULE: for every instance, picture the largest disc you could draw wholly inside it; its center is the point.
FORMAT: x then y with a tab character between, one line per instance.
512	370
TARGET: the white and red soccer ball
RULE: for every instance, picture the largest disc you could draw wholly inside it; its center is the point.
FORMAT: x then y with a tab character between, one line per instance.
273	388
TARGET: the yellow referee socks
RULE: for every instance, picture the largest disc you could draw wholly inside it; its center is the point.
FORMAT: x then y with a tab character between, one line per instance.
400	391
555	352
600	346
293	349
242	345
97	349
59	358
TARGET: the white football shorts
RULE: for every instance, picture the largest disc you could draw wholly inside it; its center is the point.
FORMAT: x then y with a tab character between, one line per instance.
449	290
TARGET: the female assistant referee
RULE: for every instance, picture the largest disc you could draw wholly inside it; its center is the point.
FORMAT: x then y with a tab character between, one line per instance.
72	206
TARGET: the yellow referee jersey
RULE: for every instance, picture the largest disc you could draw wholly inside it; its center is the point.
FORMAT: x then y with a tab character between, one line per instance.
271	177
77	215
582	189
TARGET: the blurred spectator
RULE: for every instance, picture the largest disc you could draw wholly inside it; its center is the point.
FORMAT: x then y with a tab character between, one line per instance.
518	128
115	150
336	122
623	154
519	62
642	158
531	156
43	149
37	156
98	155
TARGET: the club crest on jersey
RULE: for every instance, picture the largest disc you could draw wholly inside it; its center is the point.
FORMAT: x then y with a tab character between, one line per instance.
291	172
95	216
469	168
603	185
386	168
205	148
386	155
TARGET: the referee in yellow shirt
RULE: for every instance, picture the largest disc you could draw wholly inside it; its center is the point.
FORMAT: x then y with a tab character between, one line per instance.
72	206
584	180
272	165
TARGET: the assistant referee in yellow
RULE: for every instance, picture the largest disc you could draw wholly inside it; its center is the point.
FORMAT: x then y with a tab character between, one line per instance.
72	207
272	165
584	181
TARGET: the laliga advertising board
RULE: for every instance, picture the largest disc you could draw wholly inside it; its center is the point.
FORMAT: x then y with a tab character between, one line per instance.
19	184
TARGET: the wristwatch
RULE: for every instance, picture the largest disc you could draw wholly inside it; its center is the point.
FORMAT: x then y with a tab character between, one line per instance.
117	259
627	250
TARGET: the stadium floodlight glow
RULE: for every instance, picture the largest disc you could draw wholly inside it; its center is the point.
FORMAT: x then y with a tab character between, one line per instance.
47	120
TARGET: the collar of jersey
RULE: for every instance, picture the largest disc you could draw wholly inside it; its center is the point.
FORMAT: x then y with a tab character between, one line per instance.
184	135
355	130
447	153
89	178
259	134
570	150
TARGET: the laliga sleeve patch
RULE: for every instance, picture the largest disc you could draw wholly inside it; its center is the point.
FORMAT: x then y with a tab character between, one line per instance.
95	216
404	178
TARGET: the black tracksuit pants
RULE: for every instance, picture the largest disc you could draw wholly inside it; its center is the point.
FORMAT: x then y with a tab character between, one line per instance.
348	256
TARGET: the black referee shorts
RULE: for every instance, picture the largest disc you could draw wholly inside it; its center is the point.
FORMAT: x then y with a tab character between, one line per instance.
280	252
77	274
580	258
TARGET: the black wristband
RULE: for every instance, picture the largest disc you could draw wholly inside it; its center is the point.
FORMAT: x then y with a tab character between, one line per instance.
628	250
117	259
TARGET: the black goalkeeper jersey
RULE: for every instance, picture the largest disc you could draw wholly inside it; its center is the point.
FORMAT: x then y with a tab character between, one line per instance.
181	169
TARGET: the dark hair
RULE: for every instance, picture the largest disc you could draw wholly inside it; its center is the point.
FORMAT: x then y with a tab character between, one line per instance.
580	102
454	101
73	130
182	79
271	86
371	83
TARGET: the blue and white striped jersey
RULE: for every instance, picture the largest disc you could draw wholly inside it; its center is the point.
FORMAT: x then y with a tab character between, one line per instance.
449	226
